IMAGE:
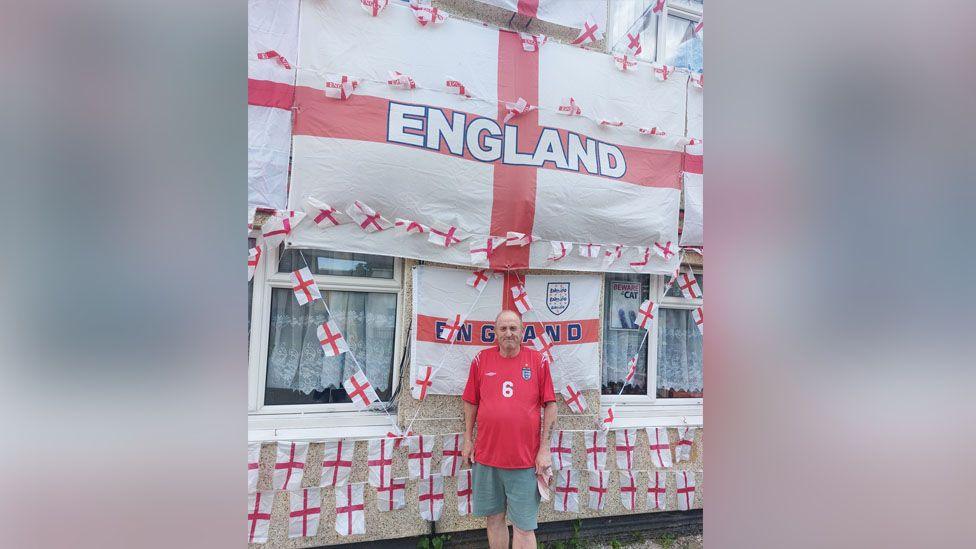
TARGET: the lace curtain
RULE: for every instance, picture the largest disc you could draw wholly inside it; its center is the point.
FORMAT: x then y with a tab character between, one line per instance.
679	354
619	345
295	358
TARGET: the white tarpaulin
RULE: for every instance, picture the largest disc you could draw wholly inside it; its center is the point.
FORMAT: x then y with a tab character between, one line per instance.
272	26
439	158
561	12
573	324
692	231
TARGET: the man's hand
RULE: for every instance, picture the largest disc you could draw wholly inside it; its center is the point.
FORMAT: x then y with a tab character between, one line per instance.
543	461
467	450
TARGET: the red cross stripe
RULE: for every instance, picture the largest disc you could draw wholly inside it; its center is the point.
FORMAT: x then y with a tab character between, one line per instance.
686	489
625	450
658	6
451	330
369	219
689	285
699	316
657	438
665	251
599	488
451	455
392	490
424	383
643	262
589	250
271	54
594	449
304	285
559	250
326	214
336	463
614	123
663	72
341	87
656	488
631	369
624	62
608	419
455	86
521	299
517	108
651	131
489	249
255	515
397	439
382	462
401	81
373	7
698	80
420	460
304	512
290	465
629	487
699	26
569	107
558	450
444	238
634	45
543	343
359	390
349	508
646	311
464	494
532	42
411	226
478	277
587	34
566	489
283	231
572	397
431	496
331	340
253	257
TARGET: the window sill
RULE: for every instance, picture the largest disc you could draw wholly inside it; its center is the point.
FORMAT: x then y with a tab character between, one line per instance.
635	411
314	426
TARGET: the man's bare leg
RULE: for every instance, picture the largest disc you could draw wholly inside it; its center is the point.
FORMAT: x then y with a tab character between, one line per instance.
498	532
523	539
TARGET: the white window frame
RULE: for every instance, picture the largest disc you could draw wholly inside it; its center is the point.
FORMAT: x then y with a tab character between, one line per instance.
311	421
660	50
648	409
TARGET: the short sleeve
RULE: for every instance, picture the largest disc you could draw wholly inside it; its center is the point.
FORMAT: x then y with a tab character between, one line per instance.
472	390
546	393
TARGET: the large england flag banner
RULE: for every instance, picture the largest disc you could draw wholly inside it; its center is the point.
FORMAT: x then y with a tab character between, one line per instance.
457	126
565	308
568	14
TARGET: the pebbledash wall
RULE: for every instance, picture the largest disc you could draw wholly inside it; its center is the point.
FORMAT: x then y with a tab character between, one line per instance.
442	414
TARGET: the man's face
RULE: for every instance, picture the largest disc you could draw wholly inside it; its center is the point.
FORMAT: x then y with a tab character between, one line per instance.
508	330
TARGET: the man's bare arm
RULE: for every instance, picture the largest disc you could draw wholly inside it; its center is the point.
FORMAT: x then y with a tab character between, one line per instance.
543	459
470	413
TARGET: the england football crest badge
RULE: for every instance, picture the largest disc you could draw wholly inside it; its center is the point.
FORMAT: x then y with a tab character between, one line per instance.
526	373
557	297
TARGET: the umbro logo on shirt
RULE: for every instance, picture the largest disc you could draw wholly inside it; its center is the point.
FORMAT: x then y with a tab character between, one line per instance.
489	373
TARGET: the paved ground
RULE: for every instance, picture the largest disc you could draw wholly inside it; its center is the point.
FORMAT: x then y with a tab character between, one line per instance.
688	542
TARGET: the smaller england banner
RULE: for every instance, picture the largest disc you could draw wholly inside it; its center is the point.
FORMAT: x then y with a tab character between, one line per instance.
563	311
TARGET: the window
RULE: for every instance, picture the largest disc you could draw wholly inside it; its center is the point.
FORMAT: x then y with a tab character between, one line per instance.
677	44
670	358
363	294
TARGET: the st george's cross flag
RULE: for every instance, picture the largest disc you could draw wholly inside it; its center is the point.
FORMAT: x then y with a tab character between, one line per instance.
305	509
337	461
392	496
350	510
533	174
565	317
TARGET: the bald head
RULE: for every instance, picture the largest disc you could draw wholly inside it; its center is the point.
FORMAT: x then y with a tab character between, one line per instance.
508	314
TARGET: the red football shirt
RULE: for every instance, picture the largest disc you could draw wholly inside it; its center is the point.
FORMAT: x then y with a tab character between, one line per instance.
509	393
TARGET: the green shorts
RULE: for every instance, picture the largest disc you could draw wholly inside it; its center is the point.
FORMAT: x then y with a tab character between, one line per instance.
494	487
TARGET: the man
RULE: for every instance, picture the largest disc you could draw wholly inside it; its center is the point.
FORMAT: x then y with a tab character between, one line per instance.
507	385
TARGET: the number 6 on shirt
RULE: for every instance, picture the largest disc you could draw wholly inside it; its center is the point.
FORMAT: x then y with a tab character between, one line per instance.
507	389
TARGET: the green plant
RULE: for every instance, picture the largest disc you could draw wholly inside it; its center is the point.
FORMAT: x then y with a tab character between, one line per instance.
637	536
615	544
667	541
433	542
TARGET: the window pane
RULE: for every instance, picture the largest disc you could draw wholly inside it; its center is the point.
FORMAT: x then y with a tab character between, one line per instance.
679	355
621	336
298	370
633	16
684	47
675	291
692	5
323	262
